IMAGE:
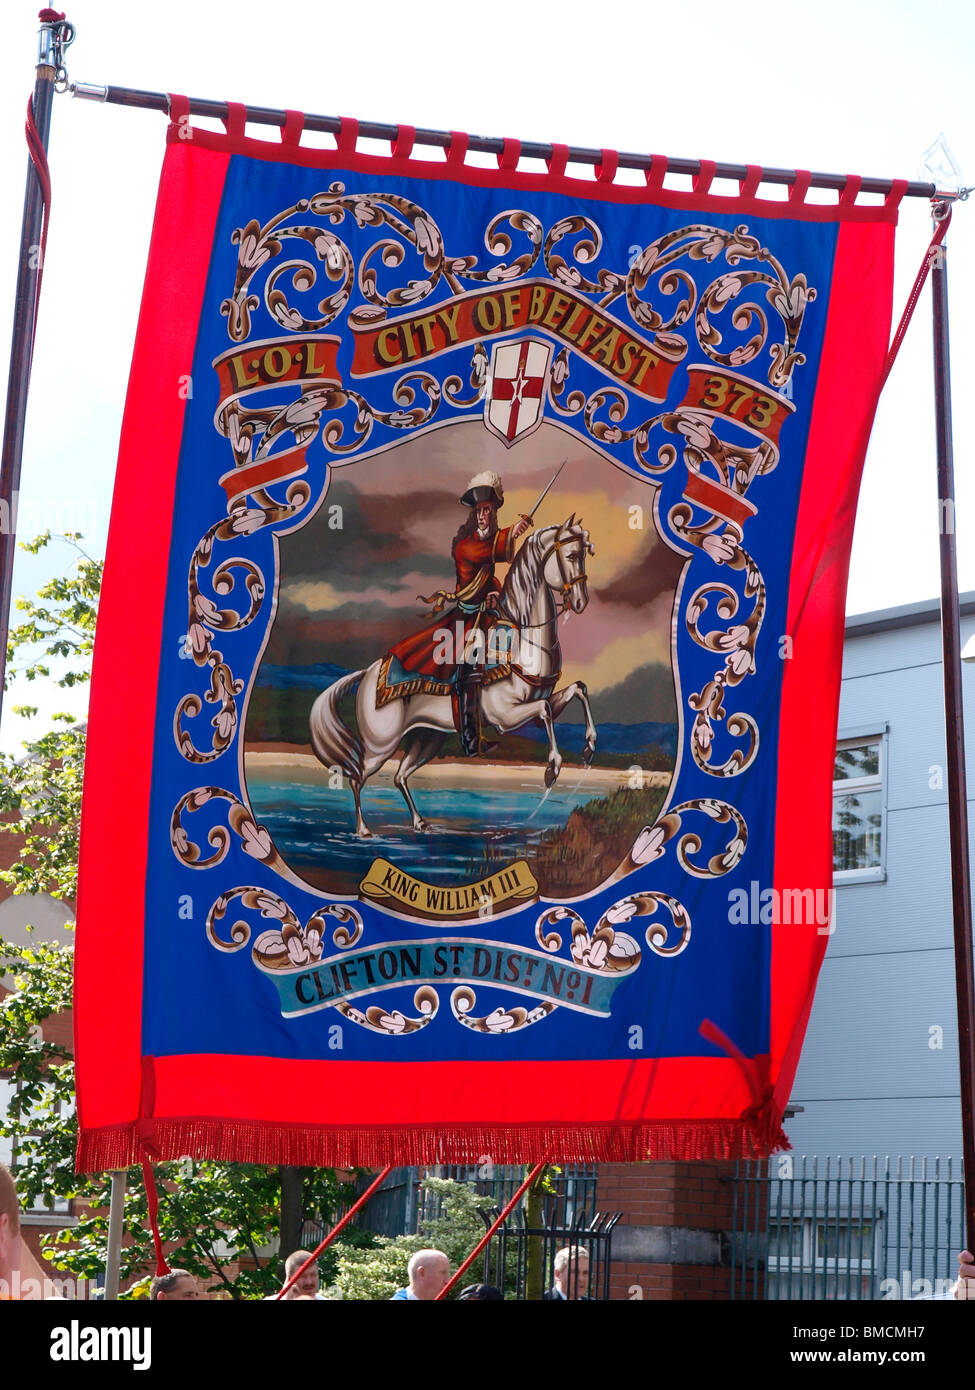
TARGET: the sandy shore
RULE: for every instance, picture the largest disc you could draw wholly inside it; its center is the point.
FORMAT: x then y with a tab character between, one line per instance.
474	773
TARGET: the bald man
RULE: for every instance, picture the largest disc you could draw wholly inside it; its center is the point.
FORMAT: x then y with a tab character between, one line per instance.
428	1272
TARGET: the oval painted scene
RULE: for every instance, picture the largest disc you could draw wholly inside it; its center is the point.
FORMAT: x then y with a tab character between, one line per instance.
469	665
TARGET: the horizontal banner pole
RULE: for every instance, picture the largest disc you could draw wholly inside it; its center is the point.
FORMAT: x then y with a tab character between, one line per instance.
373	130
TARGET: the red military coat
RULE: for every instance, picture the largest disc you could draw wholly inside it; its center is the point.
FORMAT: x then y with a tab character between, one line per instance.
474	559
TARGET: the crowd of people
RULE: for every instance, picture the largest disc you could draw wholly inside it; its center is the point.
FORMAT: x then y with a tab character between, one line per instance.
428	1271
428	1274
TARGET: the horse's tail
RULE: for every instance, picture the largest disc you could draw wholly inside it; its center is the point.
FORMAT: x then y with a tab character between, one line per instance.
334	743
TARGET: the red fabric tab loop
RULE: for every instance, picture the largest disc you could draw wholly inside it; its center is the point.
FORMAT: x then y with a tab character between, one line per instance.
402	146
753	177
851	188
235	119
457	150
557	161
657	172
348	134
179	109
607	166
294	124
510	154
702	179
897	189
147	1098
799	189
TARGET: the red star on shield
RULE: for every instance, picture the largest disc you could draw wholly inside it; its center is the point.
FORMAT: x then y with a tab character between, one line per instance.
517	389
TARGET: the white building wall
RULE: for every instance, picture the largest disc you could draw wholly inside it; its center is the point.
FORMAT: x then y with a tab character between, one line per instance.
879	1068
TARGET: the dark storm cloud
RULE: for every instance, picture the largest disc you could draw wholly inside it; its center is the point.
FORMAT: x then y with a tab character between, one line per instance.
644	580
371	546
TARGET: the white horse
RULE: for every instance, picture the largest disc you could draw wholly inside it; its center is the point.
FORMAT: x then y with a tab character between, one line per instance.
551	563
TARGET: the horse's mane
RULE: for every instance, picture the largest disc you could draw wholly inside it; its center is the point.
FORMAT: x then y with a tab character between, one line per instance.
525	574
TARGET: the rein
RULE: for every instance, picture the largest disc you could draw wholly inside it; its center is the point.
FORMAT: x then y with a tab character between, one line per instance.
568	580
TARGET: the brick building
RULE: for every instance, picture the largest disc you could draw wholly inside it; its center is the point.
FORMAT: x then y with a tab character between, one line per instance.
47	916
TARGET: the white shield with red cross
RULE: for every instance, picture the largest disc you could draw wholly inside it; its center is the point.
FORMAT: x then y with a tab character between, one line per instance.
513	401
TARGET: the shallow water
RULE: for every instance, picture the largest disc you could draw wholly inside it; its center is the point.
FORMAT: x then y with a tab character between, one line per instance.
472	832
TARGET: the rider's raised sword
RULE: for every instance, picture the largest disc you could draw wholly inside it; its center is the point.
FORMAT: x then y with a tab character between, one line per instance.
530	516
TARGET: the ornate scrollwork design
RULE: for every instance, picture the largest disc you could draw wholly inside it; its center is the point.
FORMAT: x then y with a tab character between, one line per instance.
787	297
255	839
571	244
574	400
499	243
207	617
260	900
608	948
647	904
303	417
452	385
342	937
504	1019
737	644
258	246
583	252
604	948
652	839
393	1022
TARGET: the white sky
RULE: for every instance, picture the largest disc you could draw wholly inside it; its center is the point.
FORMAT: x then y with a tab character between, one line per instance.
861	86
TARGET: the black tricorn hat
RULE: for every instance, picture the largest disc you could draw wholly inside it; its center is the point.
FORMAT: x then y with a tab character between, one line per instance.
483	487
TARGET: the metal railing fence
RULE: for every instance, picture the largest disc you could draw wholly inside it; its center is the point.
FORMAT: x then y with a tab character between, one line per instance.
838	1227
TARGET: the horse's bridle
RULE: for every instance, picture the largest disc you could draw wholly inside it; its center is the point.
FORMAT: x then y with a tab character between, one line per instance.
568	581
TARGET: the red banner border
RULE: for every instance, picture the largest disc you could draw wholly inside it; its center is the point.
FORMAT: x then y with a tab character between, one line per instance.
115	1119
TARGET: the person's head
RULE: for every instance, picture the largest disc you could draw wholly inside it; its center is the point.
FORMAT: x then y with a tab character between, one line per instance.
572	1270
9	1225
175	1287
307	1285
480	1293
429	1271
483	497
485	513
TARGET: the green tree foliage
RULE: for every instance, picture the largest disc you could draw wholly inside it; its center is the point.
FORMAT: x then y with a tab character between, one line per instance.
210	1212
375	1271
211	1215
40	793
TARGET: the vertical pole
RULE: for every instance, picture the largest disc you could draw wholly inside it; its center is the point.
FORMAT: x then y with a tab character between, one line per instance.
114	1256
954	726
292	1214
25	308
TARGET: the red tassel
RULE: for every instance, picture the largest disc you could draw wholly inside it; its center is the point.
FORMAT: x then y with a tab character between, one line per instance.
763	1118
752	1135
152	1198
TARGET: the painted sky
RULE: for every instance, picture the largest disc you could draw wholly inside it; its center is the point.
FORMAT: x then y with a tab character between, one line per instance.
346	594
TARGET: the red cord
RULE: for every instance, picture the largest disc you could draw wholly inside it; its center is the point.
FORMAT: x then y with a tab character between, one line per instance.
38	155
152	1199
360	1202
502	1217
915	294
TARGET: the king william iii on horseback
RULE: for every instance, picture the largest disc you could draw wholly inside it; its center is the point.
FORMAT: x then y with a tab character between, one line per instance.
494	652
441	661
